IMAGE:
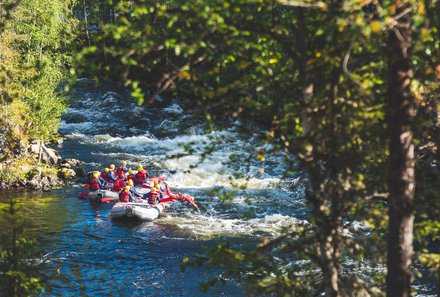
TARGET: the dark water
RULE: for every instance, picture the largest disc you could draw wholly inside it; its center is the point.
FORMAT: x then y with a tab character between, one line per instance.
85	253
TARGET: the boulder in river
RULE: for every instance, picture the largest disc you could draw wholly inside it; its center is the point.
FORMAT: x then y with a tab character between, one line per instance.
44	154
41	179
80	172
74	165
70	163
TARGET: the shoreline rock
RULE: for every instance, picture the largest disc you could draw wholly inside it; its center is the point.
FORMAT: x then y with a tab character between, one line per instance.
40	168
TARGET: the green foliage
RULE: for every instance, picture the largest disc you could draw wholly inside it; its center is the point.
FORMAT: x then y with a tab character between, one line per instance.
33	64
5	9
17	266
314	79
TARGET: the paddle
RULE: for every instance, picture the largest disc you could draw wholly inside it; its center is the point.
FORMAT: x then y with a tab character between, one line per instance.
158	178
109	199
167	199
82	195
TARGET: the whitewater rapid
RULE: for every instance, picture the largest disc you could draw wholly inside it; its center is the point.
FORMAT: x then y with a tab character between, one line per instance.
239	195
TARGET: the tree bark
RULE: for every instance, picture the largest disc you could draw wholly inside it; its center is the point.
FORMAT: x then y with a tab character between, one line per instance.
329	258
401	180
86	21
322	192
327	223
306	83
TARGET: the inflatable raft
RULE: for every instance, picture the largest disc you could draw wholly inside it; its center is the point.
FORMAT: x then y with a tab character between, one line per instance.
140	210
107	195
102	196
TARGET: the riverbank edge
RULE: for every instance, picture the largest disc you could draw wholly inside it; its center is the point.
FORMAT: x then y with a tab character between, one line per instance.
38	167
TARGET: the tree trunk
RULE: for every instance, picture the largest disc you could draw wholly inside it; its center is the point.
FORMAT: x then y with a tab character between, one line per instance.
306	83
86	21
401	181
329	250
327	223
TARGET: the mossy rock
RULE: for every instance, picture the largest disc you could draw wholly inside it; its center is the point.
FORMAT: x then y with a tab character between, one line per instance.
36	171
66	173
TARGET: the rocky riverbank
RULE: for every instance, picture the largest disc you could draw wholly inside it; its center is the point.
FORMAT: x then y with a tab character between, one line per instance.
38	167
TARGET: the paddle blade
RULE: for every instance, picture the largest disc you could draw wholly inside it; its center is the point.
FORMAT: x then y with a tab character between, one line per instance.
109	199
168	199
158	178
82	195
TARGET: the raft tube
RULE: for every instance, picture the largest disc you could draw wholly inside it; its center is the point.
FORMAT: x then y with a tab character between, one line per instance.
99	194
140	210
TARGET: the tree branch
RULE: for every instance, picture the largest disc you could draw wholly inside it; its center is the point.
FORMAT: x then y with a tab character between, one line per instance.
345	67
315	5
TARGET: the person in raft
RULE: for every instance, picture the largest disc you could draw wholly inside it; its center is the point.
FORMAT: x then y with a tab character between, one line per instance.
141	176
133	189
111	174
118	185
130	176
158	186
97	182
103	174
121	170
125	195
153	196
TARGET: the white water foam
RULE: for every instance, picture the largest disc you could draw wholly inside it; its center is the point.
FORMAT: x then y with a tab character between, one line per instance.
173	108
214	226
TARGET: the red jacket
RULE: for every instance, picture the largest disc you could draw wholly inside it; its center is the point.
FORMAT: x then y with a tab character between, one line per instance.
104	176
124	196
153	197
141	177
120	172
118	185
94	185
131	176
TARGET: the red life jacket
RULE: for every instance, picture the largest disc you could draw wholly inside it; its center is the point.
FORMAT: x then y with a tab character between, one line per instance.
118	185
94	185
120	172
104	176
124	196
141	177
130	177
152	198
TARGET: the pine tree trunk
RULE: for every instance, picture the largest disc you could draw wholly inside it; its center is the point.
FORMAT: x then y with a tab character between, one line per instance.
306	83
401	181
327	223
329	261
86	21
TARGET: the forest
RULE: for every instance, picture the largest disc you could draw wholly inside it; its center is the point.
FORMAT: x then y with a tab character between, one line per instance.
348	91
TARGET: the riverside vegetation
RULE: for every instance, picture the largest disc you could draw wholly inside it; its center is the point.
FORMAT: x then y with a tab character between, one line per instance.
37	42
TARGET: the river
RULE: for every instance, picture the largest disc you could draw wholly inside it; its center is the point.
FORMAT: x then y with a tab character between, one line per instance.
85	253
